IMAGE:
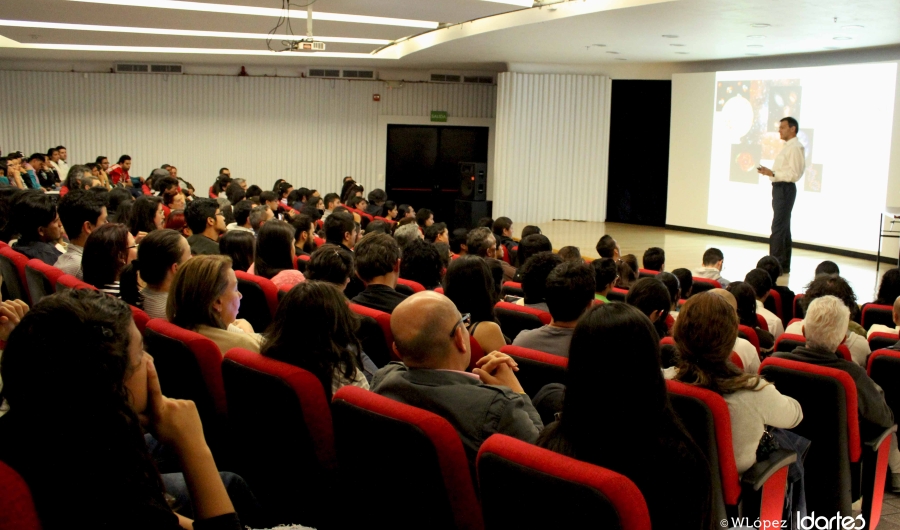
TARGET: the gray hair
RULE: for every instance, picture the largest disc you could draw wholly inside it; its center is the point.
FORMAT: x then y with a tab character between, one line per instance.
406	233
477	241
258	216
239	181
826	323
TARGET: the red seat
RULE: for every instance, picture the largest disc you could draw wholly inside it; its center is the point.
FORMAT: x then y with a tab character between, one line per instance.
477	352
67	281
439	290
259	300
281	423
773	304
320	224
415	286
537	368
788	342
304	257
17	511
749	333
190	367
760	492
838	467
383	320
513	289
670	322
617	295
515	318
140	318
704	284
880	340
761	322
877	314
41	279
736	360
436	484
319	241
12	269
513	473
647	273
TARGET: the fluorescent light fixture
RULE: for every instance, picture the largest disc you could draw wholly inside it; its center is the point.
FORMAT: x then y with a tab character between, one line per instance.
265	11
754	45
670	36
180	32
852	26
760	25
843	38
520	3
756	36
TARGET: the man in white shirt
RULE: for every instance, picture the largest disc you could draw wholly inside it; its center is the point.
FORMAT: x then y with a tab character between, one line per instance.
786	171
62	165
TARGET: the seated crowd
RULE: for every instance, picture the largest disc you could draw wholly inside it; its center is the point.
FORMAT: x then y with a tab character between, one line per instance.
157	246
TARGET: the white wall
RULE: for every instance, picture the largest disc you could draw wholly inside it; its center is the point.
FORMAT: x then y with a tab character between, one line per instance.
551	147
311	132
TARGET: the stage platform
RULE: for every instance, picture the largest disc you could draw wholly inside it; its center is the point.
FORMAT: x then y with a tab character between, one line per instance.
685	249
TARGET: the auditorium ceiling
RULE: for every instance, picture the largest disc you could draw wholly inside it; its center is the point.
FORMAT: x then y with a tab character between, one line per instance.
437	34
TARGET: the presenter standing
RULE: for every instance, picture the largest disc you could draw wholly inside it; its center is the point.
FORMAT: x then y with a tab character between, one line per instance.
786	171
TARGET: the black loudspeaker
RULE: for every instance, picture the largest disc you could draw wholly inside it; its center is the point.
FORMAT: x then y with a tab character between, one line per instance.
472	181
468	213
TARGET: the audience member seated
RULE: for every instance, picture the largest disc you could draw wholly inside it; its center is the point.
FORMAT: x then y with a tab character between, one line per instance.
485	222
771	265
80	213
470	286
627	270
378	226
406	233
502	230
671	282
424	218
827	267
341	230
529	246
888	290
207	223
389	210
834	285
159	256
685	282
106	253
304	234
651	297
444	252
529	230
378	266
241	213
175	221
34	215
431	338
705	333
147	215
745	350
437	233
607	247
655	259
569	292
335	357
240	246
274	258
482	243
332	264
881	328
641	437
105	372
421	262
826	326
712	266
745	297
761	283
534	279
605	276
570	253
458	244
204	297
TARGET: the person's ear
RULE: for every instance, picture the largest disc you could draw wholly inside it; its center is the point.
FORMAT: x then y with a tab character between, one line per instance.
461	339
654	315
210	221
173	268
87	228
217	305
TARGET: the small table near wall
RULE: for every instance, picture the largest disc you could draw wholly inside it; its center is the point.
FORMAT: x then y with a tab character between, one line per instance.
892	213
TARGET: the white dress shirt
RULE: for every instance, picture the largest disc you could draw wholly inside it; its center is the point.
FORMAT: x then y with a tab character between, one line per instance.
790	163
776	327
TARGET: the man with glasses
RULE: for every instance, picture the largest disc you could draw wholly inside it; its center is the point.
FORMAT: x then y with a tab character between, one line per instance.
207	223
431	338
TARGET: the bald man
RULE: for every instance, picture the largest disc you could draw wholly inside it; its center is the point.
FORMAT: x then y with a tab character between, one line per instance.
430	337
745	350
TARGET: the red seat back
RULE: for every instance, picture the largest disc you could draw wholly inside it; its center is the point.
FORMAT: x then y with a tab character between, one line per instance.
799	312
259	300
537	368
436	485
512	288
140	318
647	273
701	285
67	281
415	286
773	304
319	241
17	511
477	352
577	491
439	290
41	279
788	342
880	340
12	268
750	334
384	322
515	318
761	322
877	314
281	420
736	360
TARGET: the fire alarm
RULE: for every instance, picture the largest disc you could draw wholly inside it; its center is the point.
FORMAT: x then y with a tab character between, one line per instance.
376	97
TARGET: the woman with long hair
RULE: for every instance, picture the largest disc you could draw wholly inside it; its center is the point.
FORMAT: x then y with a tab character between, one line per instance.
333	352
705	333
623	421
106	253
889	289
158	259
240	246
470	285
275	254
147	215
746	309
101	389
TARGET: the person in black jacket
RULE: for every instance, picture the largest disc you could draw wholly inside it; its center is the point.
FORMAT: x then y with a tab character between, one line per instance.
378	266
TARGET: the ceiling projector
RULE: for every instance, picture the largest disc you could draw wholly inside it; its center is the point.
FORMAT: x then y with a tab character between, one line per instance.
306	45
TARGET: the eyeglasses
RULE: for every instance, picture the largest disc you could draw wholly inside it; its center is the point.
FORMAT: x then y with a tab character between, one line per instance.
464	319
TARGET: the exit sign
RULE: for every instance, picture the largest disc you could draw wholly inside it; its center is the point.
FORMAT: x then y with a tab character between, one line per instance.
439	115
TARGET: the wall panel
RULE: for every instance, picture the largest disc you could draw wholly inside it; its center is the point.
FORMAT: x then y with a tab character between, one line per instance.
311	132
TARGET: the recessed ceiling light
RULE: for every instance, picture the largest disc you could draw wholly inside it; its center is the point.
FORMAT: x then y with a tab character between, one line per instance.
621	59
681	53
754	45
679	45
760	25
853	26
614	53
843	38
670	36
265	11
178	32
756	36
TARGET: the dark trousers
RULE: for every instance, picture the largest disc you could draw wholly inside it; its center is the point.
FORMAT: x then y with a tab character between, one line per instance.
783	196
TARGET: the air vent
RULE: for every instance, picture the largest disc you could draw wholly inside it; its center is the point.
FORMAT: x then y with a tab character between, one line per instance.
323	72
133	68
149	68
446	78
165	69
484	80
358	74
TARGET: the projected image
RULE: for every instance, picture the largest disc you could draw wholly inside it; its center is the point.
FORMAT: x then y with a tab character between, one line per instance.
812	178
744	160
784	101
